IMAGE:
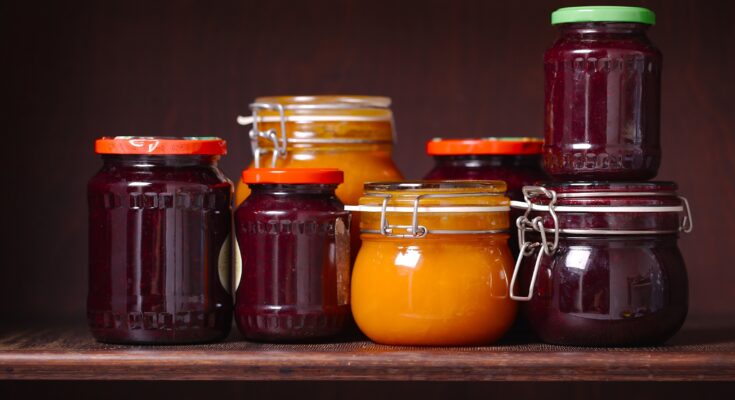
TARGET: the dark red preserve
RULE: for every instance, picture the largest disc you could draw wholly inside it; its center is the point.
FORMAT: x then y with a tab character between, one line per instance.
293	233
603	84
517	161
159	241
614	276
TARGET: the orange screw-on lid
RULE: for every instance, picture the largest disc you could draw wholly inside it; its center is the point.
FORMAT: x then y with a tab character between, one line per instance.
293	175
490	145
160	145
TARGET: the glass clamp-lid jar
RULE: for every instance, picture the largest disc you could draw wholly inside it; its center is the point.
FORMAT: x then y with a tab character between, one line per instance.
293	233
434	266
352	133
603	95
607	270
159	241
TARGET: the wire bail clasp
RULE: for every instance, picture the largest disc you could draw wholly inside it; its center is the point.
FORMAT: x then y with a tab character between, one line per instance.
279	147
687	223
414	230
524	224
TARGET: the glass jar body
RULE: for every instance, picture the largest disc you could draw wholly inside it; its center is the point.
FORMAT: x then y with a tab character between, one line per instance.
609	291
437	290
159	250
516	170
296	272
602	92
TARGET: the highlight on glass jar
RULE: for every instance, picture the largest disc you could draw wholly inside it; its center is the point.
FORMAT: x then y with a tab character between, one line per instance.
294	235
602	89
599	262
159	241
434	267
517	161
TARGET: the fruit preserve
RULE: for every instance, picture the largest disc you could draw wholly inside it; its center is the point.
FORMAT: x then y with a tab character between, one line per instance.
434	267
517	161
293	233
603	84
159	241
352	133
602	263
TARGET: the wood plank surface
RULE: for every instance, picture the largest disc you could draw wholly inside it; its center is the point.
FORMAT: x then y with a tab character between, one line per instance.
701	352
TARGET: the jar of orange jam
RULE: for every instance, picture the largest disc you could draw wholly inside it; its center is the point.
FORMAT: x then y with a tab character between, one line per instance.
352	133
434	267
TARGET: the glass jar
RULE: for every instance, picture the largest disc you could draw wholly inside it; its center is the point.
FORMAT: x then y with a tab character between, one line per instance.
294	234
603	89
434	266
602	263
159	241
352	133
517	161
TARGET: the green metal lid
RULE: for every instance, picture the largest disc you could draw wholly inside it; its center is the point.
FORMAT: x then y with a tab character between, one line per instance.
638	15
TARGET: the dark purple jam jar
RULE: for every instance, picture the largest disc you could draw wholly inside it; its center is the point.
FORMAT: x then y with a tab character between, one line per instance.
159	242
294	237
517	161
613	276
603	84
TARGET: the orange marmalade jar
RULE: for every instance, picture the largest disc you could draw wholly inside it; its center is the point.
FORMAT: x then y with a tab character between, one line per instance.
434	267
352	133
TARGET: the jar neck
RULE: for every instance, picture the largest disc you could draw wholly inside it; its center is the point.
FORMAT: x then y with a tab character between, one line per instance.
142	161
603	30
292	189
489	160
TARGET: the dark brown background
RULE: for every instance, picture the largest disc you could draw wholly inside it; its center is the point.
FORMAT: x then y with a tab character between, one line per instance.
73	71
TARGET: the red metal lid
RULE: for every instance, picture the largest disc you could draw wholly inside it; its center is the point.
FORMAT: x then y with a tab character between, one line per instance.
490	145
293	175
160	145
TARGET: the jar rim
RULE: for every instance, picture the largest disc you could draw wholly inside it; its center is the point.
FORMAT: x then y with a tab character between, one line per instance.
332	101
632	187
489	186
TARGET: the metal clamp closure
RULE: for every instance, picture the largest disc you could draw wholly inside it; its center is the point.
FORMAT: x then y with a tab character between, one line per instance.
416	231
687	223
279	147
523	223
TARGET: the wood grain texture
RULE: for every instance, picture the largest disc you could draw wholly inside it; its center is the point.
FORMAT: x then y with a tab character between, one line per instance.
699	353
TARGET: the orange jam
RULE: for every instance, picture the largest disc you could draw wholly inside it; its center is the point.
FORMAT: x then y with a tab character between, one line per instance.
352	133
434	267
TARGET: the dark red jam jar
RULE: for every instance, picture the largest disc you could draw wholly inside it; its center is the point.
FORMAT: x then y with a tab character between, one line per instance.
603	84
602	263
293	234
159	241
517	161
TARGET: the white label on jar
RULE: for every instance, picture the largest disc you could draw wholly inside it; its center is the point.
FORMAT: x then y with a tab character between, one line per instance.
342	258
224	263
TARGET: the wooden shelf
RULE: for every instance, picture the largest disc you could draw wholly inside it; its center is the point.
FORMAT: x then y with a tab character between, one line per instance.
699	352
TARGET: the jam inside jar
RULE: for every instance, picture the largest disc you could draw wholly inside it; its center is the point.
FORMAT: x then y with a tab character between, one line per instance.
293	234
614	275
517	161
352	133
602	86
434	266
159	242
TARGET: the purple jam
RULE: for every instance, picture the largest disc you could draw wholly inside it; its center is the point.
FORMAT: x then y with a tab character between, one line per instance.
612	288
603	84
159	254
610	291
294	240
